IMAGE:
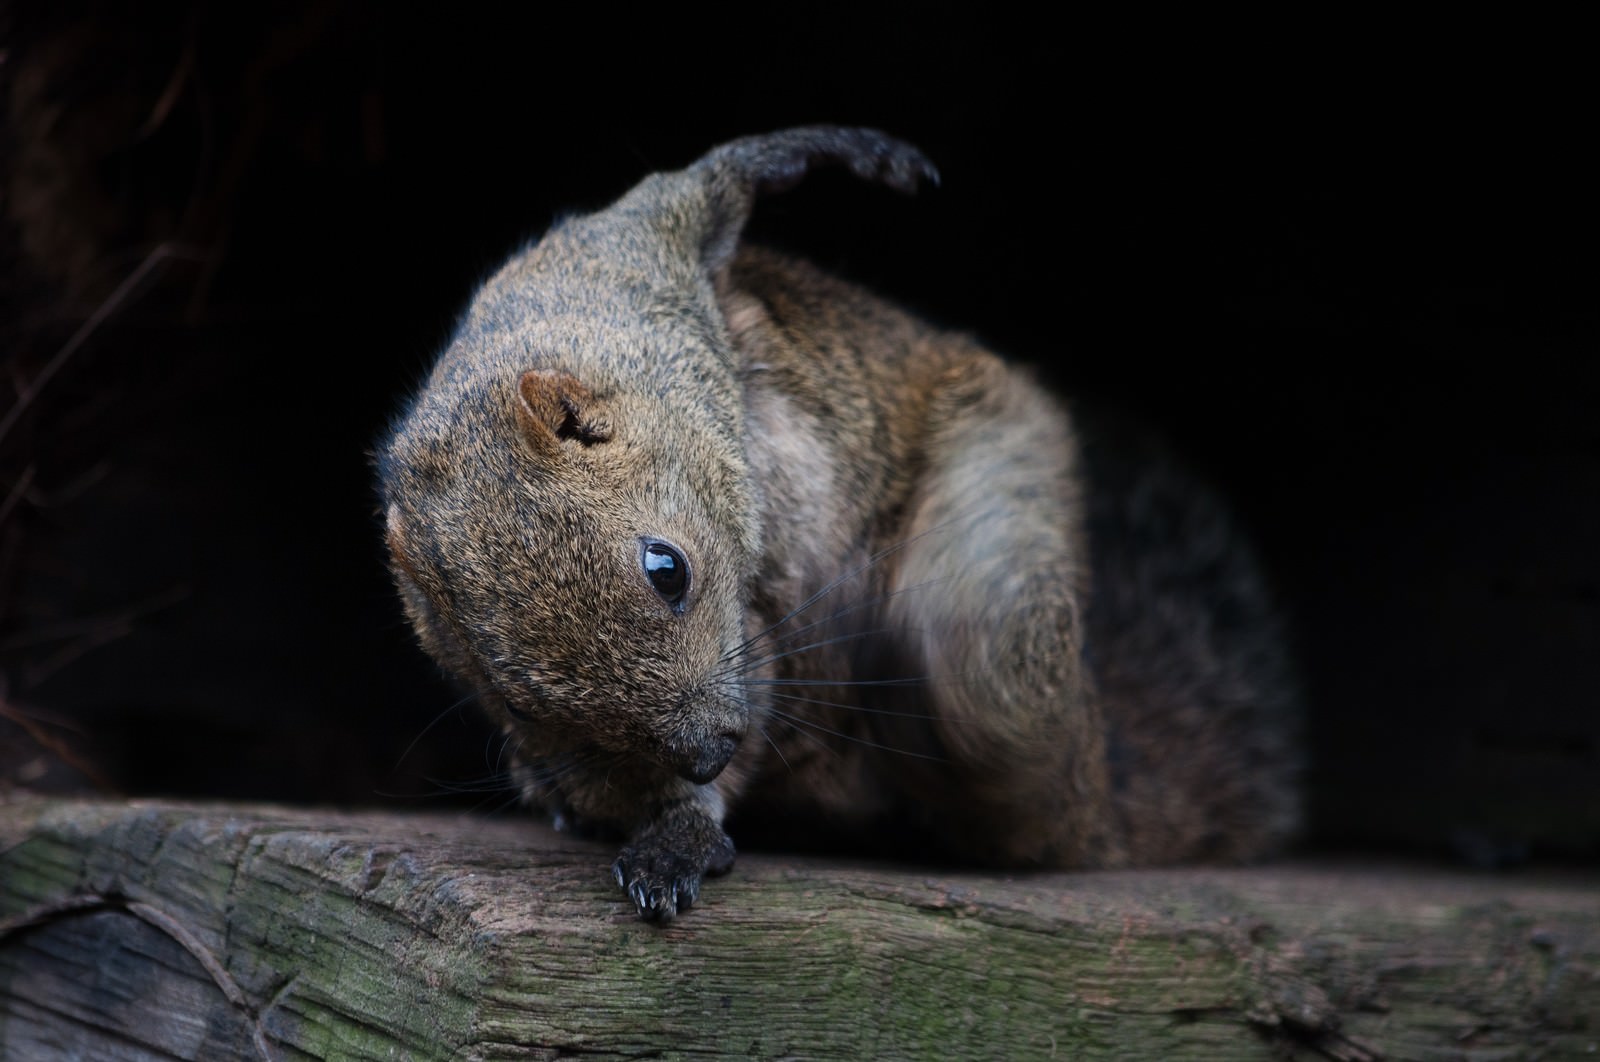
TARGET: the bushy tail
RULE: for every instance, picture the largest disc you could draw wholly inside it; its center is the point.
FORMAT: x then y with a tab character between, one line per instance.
735	173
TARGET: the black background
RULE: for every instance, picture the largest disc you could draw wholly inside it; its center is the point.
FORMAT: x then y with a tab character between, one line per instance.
1350	274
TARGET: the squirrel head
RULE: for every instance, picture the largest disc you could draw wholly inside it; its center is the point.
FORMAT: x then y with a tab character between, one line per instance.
569	510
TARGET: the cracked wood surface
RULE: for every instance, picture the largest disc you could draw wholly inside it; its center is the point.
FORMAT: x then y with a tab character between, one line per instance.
160	931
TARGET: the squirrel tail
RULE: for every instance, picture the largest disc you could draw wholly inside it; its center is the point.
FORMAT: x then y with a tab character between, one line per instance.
735	173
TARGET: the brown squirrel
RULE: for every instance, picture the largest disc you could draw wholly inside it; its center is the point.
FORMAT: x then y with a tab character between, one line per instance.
707	529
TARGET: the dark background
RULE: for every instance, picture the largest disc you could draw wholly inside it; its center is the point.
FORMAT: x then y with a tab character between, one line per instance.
1352	277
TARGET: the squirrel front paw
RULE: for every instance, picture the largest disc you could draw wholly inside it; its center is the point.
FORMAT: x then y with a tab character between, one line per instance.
662	869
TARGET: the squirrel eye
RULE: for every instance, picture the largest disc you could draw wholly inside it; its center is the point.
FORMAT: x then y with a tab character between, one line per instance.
667	571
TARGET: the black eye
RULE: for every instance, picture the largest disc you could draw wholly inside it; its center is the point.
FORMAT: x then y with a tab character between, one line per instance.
667	571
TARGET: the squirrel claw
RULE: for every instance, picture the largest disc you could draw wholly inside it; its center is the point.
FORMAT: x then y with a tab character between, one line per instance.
658	896
663	883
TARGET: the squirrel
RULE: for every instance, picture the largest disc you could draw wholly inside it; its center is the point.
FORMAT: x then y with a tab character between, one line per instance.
711	532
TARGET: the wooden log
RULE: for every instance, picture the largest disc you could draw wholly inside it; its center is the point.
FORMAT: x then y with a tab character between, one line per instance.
160	931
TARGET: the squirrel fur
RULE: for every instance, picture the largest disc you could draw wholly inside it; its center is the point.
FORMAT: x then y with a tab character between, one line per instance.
710	531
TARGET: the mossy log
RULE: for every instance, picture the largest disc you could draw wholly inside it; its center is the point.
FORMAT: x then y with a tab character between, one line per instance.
159	931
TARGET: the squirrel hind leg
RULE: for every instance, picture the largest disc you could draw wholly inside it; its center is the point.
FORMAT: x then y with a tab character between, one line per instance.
987	592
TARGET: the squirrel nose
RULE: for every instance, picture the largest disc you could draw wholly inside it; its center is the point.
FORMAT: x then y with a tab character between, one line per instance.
712	757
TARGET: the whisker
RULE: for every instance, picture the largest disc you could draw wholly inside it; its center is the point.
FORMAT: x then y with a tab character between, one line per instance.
796	698
925	680
494	784
431	724
510	781
864	602
952	678
506	738
554	768
444	788
776	748
512	800
749	666
835	583
796	728
796	720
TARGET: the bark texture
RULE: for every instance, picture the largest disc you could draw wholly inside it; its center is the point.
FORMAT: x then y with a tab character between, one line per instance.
160	931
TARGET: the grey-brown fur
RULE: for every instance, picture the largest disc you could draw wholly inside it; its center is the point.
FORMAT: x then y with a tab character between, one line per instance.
900	618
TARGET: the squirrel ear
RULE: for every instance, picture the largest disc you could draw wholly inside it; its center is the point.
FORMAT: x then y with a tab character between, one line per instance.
553	406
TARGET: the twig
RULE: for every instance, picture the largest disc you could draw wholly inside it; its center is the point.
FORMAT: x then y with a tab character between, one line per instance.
94	625
112	303
18	489
56	747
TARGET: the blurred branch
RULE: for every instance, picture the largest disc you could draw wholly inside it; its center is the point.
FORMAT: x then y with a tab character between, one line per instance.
112	303
83	635
16	493
33	724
